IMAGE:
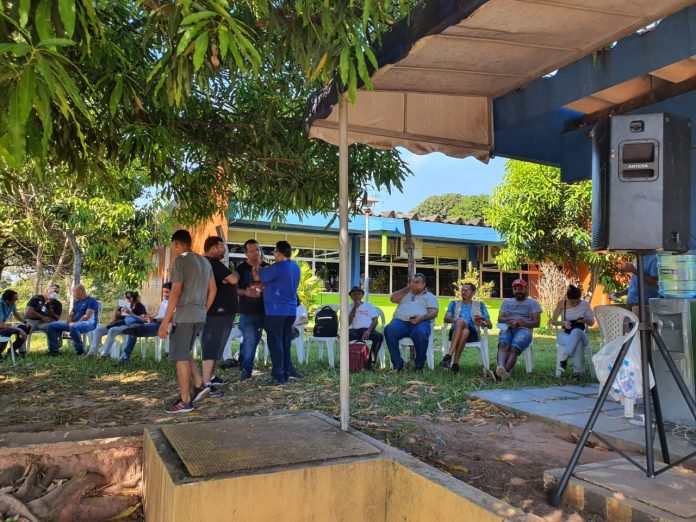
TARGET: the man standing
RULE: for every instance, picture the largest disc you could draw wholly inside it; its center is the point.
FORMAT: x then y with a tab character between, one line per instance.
8	307
651	283
520	315
280	280
363	319
417	307
193	292
149	329
251	309
220	318
83	318
44	309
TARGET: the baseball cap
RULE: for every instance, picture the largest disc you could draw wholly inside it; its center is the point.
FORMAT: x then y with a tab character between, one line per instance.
356	289
519	282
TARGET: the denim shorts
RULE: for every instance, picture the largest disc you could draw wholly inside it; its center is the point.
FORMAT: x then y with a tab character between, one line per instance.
520	338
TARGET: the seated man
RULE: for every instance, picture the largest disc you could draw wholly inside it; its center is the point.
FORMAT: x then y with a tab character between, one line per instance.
363	319
44	309
520	315
466	317
83	318
149	329
8	307
417	307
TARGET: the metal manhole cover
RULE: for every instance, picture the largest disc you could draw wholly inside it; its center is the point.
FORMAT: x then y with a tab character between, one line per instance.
259	442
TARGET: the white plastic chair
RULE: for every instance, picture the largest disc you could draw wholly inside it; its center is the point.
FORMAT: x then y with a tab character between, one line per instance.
407	342
8	340
481	345
612	322
88	338
559	356
382	349
297	341
330	342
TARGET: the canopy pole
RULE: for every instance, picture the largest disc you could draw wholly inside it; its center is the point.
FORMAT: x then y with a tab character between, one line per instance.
344	265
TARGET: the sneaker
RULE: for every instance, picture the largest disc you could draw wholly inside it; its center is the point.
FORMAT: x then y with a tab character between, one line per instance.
488	374
200	393
294	374
122	362
214	392
229	363
217	381
244	375
502	374
396	370
446	361
454	368
179	407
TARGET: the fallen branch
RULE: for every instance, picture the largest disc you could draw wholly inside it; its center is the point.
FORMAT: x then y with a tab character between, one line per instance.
11	506
24	491
63	501
10	475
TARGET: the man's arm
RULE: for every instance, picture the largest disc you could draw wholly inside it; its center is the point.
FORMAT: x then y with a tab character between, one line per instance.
533	323
351	315
429	316
212	290
31	313
231	279
52	315
397	296
87	316
631	269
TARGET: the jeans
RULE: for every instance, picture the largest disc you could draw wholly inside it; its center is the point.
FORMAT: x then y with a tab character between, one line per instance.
419	334
251	327
519	337
574	345
76	330
110	338
145	330
279	335
18	344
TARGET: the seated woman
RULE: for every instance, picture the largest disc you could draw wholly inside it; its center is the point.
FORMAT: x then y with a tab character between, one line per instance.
301	319
134	312
573	315
466	316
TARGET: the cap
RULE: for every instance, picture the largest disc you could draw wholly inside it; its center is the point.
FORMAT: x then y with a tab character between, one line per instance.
356	289
519	282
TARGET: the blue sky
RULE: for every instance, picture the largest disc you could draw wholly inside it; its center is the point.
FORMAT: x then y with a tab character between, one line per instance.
435	174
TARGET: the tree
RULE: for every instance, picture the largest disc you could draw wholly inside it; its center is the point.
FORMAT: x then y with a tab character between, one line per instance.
438	205
542	218
470	208
205	96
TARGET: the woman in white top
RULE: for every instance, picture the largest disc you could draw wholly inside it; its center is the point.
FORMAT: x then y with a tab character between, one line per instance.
301	319
573	315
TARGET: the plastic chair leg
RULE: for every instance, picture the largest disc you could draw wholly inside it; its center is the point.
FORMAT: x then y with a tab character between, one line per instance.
330	348
529	360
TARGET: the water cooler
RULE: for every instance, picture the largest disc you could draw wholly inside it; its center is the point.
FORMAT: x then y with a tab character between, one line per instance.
676	323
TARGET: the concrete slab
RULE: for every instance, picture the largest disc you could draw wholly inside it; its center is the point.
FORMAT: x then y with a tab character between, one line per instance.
588	390
551	393
504	397
617	490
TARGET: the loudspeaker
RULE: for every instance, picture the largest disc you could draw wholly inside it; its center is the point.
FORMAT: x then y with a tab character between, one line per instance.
641	183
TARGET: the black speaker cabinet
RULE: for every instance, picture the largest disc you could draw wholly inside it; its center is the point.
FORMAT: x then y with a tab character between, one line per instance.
641	183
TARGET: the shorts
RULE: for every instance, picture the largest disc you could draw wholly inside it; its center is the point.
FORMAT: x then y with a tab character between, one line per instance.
473	335
215	334
181	341
520	338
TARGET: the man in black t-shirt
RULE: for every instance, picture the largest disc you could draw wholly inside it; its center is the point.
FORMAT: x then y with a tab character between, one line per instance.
251	309
220	318
44	309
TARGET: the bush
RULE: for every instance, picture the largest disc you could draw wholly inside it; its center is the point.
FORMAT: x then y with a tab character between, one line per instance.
483	291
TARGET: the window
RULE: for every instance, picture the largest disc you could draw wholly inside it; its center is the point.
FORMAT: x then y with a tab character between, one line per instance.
236	248
305	253
446	261
379	279
430	277
328	272
399	277
487	276
447	280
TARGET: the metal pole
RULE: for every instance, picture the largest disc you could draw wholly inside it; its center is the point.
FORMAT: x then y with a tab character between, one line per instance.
644	329
343	270
366	286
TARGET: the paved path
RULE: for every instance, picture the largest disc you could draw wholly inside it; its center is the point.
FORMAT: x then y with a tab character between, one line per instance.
572	405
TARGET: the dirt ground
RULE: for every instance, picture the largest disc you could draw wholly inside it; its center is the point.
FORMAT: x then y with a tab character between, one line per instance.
499	452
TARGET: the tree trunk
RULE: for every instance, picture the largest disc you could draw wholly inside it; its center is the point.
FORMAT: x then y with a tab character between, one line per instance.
38	269
61	262
77	259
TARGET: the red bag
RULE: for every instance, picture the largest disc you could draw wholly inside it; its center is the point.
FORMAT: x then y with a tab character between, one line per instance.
358	356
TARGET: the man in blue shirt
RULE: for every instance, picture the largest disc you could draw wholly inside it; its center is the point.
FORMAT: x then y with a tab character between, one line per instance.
280	281
650	271
83	318
8	307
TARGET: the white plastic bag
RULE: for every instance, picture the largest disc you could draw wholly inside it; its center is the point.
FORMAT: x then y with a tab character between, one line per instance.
629	381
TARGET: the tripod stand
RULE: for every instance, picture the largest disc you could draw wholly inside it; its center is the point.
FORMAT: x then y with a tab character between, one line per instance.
647	330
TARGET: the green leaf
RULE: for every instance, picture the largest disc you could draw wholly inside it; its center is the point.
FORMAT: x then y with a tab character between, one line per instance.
66	9
352	83
116	95
344	64
197	17
200	49
367	7
56	42
185	40
224	38
44	28
18	49
24	8
26	88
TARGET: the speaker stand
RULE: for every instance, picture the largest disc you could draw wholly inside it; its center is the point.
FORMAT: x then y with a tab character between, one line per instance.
650	400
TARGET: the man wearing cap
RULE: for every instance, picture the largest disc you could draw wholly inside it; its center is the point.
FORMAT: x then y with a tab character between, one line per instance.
363	322
417	307
519	315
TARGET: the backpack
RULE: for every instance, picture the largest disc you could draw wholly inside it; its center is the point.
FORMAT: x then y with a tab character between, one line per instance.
358	356
326	322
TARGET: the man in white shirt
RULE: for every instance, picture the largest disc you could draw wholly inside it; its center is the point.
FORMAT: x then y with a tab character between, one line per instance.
363	319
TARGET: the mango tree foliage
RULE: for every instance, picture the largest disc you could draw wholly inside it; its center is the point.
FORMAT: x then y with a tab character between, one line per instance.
541	218
206	95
